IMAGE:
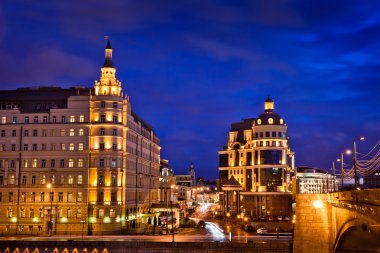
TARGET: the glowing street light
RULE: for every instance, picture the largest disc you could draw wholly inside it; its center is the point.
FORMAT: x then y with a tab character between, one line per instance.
341	160
355	162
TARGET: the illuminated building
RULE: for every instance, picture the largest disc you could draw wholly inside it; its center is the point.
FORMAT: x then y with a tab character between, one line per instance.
313	180
99	158
255	166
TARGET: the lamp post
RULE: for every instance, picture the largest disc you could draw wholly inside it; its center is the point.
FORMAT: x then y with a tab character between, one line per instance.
341	160
49	186
333	172
355	169
171	210
82	221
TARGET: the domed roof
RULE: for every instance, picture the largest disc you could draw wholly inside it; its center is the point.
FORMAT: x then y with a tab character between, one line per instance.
269	117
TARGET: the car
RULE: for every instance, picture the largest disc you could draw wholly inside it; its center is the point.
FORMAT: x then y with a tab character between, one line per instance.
287	218
202	224
270	218
261	231
248	227
279	218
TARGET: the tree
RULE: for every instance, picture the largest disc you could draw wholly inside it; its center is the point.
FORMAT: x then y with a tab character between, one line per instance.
155	221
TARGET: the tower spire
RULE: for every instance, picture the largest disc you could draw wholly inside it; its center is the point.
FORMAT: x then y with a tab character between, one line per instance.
108	84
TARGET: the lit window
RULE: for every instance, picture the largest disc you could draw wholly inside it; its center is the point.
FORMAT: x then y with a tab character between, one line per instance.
81	132
281	121
71	163
81	118
80	179
79	196
72	133
63	146
71	146
259	121
80	146
71	179
72	119
270	121
63	132
80	163
34	163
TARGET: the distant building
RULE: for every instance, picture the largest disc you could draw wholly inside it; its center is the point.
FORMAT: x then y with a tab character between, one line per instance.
314	180
259	159
372	181
75	160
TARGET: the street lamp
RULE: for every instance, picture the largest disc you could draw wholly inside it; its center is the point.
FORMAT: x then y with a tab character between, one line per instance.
171	210
49	186
355	169
341	160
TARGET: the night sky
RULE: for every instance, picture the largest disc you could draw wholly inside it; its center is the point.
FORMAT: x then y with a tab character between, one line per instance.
192	68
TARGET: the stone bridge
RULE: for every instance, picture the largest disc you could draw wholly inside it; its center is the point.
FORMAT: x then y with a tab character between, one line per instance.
347	221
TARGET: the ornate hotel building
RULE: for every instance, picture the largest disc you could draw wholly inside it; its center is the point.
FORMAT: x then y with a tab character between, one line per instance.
256	165
75	160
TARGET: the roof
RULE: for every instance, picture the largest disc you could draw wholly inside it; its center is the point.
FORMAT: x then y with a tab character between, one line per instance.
305	169
108	45
231	182
264	117
269	99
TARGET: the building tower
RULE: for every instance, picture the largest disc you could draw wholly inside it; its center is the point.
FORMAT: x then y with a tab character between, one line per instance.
192	174
258	156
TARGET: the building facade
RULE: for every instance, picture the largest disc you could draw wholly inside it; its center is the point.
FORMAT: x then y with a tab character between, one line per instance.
313	180
258	157
75	160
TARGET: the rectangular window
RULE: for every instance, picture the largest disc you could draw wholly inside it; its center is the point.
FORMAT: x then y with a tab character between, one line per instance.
13	147
71	179
33	179
113	197
34	163
43	147
71	163
102	131
43	179
114	105
3	120
60	196
81	118
80	179
31	214
267	134
34	147
1	180
23	179
71	147
42	197
80	163
79	212
52	179
72	119
79	196
1	197
33	197
26	132
26	119
63	132
52	163
62	163
10	197
23	197
101	163
54	119
35	132
63	119
45	120
80	146
63	146
113	179
43	163
102	104
72	133
44	132
2	133
14	120
114	147
51	197
114	132
13	164
81	132
35	119
101	146
103	118
62	179
113	163
114	119
69	197
13	133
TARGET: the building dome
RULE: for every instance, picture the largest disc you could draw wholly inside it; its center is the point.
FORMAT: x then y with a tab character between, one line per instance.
269	117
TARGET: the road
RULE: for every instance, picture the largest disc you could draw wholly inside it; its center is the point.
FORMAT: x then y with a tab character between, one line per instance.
211	233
